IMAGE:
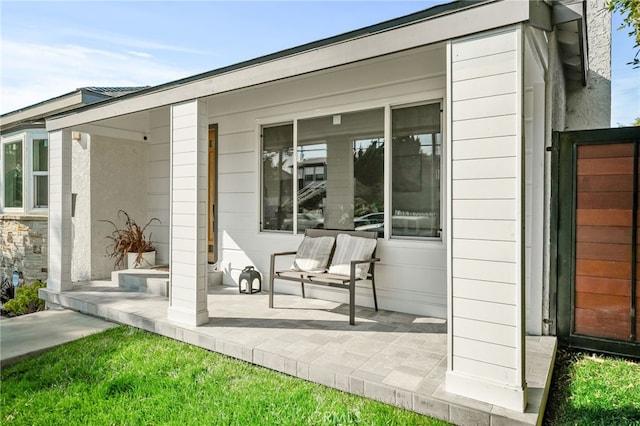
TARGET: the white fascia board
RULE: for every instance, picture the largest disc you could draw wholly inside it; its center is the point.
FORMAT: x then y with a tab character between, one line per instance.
42	109
465	22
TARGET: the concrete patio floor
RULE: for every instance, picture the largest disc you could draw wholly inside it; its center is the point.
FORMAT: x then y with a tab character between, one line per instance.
392	357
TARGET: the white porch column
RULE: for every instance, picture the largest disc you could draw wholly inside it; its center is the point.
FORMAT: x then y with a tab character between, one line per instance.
486	262
188	227
60	243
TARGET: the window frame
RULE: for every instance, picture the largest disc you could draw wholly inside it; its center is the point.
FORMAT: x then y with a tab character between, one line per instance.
431	97
38	173
27	139
389	183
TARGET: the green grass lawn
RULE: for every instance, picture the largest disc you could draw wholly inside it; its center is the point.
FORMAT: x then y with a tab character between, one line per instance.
593	389
125	376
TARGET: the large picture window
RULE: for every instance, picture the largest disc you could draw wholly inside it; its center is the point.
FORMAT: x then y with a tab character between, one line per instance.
333	175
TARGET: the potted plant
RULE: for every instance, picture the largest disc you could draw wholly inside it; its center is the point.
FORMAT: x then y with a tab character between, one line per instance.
129	245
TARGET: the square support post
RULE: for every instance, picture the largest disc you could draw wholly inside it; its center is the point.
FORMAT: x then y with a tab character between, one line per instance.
188	227
485	238
60	241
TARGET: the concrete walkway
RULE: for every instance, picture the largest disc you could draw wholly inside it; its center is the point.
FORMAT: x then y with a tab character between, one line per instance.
28	335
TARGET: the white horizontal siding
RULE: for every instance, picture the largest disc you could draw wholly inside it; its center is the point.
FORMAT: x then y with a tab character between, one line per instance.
484	209
498	334
486	352
412	274
188	189
483	45
486	167
485	87
483	369
498	251
483	66
237	182
485	127
478	310
500	188
487	291
478	229
502	146
493	106
485	270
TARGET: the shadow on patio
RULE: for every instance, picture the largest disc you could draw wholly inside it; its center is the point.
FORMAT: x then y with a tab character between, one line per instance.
396	358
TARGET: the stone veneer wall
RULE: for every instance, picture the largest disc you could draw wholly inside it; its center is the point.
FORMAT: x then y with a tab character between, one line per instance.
23	246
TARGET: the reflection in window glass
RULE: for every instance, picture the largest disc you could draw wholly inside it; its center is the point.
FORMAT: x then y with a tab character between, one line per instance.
40	172
41	190
415	173
340	162
13	174
40	156
277	177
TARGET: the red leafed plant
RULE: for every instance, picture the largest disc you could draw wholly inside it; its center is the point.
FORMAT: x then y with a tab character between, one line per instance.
129	238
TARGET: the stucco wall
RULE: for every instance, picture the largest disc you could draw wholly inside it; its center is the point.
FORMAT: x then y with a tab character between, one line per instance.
118	181
23	245
590	107
557	89
81	222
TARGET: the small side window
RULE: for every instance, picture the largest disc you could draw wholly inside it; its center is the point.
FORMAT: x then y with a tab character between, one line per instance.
277	178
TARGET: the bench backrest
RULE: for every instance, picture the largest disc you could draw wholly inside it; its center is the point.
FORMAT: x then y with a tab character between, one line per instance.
334	233
311	232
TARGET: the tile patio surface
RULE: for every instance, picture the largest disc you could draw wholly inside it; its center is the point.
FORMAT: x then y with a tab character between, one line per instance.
392	357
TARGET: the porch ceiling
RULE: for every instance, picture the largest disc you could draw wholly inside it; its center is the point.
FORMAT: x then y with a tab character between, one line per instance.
133	126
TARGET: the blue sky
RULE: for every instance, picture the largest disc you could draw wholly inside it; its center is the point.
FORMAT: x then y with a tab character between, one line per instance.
51	48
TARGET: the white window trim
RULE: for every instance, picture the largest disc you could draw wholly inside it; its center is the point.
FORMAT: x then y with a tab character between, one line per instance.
28	201
31	195
430	97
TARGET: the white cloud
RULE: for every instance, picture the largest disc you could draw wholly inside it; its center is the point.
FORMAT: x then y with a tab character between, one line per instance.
32	73
139	54
129	42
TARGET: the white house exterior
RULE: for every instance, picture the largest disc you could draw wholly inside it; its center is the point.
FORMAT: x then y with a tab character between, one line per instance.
478	85
24	180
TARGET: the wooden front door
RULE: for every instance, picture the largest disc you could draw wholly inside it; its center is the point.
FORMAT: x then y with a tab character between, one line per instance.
596	196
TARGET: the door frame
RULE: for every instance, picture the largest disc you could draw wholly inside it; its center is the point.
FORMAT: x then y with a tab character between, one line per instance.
563	239
212	197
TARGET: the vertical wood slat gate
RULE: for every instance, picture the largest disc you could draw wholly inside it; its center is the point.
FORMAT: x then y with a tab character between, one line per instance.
595	216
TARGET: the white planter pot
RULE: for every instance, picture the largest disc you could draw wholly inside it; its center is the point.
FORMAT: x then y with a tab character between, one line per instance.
148	260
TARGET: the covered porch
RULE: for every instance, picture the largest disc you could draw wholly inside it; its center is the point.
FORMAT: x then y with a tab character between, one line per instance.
399	359
482	94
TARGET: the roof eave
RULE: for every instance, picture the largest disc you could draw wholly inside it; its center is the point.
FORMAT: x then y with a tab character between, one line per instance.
463	18
570	21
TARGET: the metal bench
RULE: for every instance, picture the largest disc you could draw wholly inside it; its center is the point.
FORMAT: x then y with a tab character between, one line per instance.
325	278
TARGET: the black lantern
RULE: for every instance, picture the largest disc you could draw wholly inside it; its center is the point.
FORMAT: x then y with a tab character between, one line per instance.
247	277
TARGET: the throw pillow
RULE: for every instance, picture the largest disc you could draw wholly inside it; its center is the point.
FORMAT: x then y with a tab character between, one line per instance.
313	254
350	248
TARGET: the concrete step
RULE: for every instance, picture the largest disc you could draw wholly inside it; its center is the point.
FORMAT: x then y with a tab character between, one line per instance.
153	281
142	280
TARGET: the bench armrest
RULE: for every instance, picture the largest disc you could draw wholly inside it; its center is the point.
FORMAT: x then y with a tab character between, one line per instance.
284	253
372	260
